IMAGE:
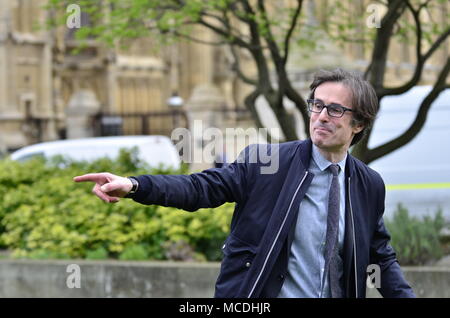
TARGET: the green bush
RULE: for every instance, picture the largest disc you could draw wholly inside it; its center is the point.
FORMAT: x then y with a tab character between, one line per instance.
44	214
99	253
415	241
134	252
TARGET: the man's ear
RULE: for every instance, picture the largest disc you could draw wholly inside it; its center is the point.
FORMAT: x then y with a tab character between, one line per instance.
358	128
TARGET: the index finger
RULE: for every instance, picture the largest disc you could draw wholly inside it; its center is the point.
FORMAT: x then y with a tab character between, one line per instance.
93	177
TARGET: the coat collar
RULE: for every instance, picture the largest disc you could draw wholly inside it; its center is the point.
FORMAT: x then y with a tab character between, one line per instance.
305	149
305	152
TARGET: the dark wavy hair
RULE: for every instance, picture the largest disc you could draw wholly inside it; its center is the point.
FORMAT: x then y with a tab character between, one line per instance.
364	99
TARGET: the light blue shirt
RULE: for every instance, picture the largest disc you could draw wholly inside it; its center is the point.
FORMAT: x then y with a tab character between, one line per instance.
306	277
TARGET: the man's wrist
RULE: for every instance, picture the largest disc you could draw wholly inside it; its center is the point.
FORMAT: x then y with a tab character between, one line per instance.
134	188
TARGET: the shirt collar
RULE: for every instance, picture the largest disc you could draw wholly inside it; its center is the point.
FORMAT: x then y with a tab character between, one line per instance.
323	163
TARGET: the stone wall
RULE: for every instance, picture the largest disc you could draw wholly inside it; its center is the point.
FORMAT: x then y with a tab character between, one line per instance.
26	278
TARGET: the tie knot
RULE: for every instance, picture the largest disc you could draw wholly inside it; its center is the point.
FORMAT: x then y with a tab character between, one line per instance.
334	169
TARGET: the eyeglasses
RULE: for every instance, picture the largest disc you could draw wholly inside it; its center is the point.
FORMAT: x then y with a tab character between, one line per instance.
333	110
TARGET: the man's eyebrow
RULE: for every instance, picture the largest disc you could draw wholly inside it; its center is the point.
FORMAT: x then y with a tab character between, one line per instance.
336	104
332	103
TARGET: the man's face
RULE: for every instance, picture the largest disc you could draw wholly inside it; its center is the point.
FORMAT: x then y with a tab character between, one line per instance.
332	134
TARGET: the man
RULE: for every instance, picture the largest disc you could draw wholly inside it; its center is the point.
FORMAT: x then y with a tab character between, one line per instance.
311	228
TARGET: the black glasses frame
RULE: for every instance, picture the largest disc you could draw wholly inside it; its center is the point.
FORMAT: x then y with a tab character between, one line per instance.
332	105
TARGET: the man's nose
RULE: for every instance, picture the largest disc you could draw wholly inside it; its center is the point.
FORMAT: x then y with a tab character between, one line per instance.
323	115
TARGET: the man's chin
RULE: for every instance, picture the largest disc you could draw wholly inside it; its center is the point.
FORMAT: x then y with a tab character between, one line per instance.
328	145
319	142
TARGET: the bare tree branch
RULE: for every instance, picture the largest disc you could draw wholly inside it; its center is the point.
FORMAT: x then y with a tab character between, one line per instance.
377	67
242	15
424	5
268	36
437	43
291	29
419	121
191	38
234	40
237	68
253	27
256	50
419	64
421	59
226	23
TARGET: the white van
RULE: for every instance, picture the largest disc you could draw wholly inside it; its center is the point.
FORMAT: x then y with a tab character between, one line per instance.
418	174
153	150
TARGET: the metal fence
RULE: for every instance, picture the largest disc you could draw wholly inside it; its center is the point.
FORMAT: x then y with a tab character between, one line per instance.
154	123
148	123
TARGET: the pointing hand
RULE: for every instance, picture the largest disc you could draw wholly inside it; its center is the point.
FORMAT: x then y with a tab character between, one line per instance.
108	186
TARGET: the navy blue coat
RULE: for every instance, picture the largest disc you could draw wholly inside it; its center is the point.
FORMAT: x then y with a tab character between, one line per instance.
262	229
